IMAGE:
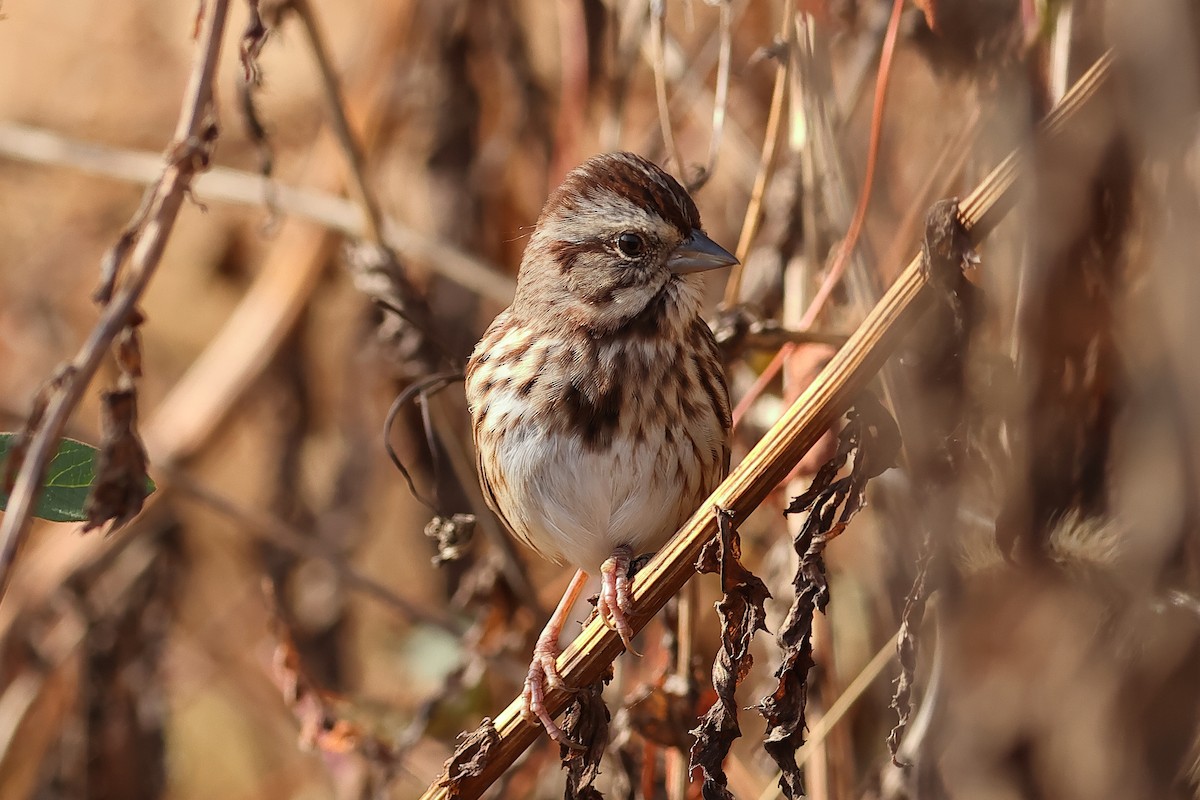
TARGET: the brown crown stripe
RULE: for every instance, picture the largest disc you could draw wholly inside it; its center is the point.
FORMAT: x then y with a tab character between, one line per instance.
633	178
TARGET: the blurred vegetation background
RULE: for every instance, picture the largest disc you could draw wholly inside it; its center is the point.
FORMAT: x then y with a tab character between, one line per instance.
271	626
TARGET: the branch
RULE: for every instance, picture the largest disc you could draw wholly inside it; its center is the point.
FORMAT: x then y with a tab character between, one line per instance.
187	155
339	122
767	464
225	185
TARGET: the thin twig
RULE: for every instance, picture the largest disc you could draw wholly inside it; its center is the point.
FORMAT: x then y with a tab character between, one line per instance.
224	185
688	92
838	267
750	223
658	39
188	155
772	338
770	460
721	93
285	536
284	286
339	122
424	387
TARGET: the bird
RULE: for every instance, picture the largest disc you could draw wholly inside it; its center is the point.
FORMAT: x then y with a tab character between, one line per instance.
599	406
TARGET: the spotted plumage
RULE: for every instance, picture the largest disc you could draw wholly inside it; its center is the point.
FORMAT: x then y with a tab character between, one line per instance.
600	411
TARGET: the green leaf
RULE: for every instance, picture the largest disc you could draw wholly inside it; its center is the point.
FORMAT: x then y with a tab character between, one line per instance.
68	480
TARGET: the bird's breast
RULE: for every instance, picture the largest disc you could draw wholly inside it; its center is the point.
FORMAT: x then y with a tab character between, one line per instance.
575	503
596	446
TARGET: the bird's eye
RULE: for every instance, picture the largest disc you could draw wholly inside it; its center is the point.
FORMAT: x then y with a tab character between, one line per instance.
630	244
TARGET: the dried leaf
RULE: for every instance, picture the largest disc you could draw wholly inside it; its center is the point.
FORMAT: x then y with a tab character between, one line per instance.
254	36
502	619
906	648
470	758
871	437
586	721
127	348
453	534
120	486
942	431
741	612
110	265
322	728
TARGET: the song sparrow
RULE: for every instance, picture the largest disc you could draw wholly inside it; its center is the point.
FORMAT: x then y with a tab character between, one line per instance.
600	411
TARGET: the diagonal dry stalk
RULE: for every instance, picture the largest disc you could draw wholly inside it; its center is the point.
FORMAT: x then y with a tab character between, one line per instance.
188	155
773	457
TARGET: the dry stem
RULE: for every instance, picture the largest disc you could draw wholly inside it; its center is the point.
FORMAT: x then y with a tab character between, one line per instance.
750	223
222	184
339	121
658	11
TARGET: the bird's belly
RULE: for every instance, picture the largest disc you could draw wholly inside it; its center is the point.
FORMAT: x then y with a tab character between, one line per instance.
575	504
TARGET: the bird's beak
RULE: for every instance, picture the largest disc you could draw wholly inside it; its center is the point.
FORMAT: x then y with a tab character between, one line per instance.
698	252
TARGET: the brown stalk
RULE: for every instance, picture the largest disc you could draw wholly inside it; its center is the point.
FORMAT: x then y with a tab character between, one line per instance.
769	462
658	40
188	155
846	249
842	258
720	93
733	286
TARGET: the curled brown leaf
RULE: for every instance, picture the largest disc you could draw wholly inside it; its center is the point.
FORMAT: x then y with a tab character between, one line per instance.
119	490
871	438
471	757
586	721
906	649
742	613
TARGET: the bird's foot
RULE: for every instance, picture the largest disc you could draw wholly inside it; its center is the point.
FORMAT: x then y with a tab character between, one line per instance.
615	599
543	674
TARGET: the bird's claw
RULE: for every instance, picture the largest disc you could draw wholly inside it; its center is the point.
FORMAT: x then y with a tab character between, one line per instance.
615	598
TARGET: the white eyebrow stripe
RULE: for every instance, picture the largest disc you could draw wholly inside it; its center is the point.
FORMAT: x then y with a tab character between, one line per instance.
606	213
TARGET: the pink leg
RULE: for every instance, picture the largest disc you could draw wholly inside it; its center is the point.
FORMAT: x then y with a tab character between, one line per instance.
543	669
614	594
